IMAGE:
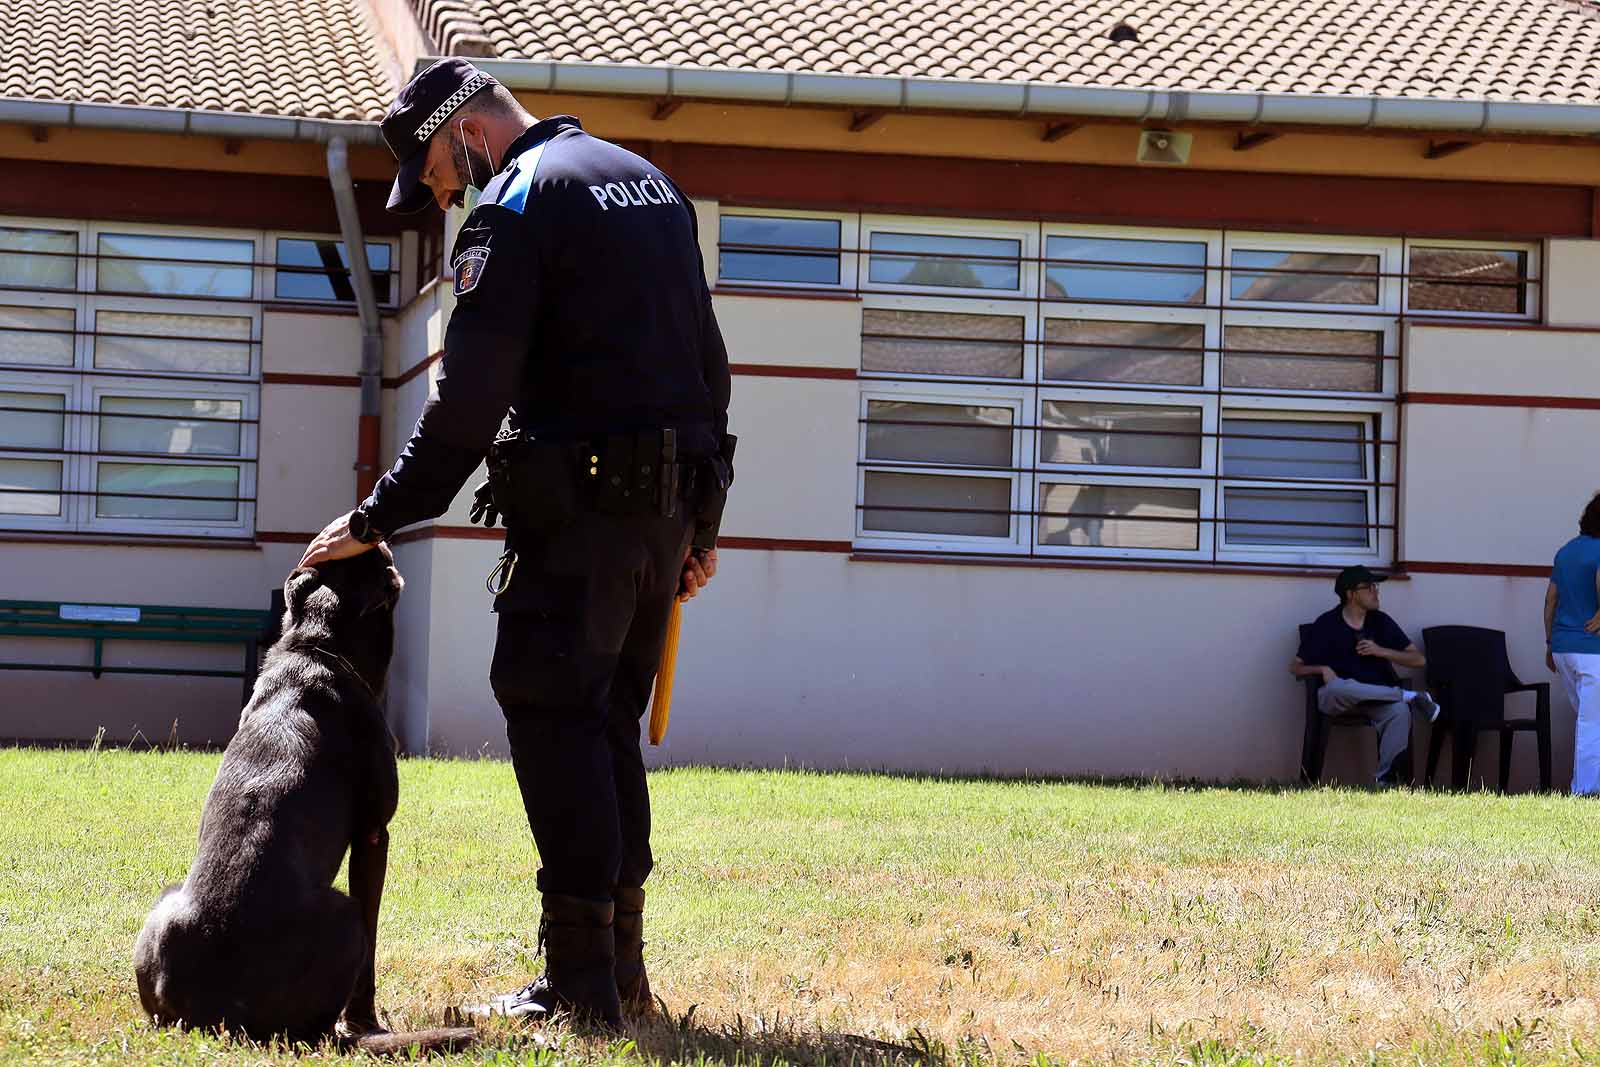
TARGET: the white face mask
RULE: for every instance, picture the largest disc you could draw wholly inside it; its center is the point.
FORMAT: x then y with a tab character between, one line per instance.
474	191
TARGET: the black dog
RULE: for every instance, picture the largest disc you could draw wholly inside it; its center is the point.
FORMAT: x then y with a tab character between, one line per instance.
256	939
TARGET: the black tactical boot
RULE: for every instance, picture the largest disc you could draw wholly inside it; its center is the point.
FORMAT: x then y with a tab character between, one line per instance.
633	985
580	964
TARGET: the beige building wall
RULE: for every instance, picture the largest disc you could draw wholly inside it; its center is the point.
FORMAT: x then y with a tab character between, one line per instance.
1500	482
1573	293
306	448
816	660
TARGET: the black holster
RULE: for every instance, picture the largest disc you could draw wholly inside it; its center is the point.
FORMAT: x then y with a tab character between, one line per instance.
535	483
712	478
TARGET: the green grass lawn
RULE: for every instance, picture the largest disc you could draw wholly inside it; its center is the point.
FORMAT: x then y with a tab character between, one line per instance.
838	919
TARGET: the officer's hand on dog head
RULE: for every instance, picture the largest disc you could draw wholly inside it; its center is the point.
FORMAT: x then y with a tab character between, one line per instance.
699	567
334	542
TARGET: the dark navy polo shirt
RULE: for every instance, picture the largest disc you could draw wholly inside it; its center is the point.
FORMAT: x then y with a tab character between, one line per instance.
1332	643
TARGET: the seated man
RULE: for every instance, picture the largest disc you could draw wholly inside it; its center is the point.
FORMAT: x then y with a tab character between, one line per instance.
1354	647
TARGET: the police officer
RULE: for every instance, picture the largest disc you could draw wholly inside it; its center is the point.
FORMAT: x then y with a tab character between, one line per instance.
582	307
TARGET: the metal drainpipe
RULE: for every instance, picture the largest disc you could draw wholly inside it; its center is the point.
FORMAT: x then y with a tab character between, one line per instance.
355	245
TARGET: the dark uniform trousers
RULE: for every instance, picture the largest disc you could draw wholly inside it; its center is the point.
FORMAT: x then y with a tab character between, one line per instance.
580	635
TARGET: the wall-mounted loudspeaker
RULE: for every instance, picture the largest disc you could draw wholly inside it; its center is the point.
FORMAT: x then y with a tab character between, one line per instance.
1164	146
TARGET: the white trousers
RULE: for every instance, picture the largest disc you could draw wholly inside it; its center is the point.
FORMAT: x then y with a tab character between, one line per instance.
1581	673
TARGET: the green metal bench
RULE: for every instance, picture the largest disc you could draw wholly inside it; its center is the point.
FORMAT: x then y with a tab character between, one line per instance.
137	622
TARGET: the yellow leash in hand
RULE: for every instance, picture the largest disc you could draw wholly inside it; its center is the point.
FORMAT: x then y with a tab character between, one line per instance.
661	702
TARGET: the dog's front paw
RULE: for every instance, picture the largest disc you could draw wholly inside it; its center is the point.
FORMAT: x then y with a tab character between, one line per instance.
357	1025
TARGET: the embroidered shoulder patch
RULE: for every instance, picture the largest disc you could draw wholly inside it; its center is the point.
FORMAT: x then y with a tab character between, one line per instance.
468	268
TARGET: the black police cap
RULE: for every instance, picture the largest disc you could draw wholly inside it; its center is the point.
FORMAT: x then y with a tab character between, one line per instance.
426	103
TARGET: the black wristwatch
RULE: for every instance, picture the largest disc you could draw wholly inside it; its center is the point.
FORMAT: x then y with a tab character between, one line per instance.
361	528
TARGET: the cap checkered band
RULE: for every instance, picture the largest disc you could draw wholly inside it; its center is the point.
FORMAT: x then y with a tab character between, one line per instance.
455	100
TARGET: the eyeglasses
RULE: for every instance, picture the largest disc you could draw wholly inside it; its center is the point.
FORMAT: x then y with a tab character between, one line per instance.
1363	587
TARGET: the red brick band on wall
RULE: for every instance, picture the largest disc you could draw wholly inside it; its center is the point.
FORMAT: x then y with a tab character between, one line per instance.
987	188
200	198
1502	400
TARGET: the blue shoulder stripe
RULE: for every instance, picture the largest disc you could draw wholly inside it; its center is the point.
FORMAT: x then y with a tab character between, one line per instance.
518	183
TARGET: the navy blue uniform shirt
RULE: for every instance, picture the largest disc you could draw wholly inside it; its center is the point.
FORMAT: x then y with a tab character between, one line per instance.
1332	643
581	306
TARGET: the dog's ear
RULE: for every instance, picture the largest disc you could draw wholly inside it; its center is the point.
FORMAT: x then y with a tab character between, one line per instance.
299	585
386	593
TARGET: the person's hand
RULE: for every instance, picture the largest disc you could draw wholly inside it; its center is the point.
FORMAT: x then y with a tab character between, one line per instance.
699	567
1550	660
483	509
1365	647
334	542
1328	676
1593	625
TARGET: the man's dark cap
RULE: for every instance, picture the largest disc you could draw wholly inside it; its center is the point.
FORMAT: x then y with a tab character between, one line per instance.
424	105
1351	577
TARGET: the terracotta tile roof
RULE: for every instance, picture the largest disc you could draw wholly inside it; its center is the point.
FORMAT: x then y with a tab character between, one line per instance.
1530	50
305	58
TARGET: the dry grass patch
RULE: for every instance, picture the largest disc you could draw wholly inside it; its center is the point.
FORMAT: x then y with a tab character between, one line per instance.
874	921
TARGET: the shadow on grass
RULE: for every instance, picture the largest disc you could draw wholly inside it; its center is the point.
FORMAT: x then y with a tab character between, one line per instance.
668	1039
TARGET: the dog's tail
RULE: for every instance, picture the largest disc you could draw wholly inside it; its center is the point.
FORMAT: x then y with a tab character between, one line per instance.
441	1039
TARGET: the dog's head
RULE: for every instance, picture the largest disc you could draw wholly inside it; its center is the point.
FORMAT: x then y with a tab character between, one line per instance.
344	598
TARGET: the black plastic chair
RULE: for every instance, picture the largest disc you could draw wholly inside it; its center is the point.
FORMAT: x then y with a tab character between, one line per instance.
1470	672
1318	726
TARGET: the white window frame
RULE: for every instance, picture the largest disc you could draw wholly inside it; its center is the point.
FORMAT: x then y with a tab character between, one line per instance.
1386	249
269	254
1202	486
1206	406
1025	233
1380	491
1156	314
849	238
1022	444
1534	297
1028	343
81	265
62	385
82	383
47	301
1388	330
257	272
1212	239
131	386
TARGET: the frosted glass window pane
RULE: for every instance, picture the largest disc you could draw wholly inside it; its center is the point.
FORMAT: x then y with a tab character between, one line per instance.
1121	435
820	267
157	341
1119	516
320	270
181	481
965	507
946	262
1293	517
982	437
43	425
30	487
940	342
1145	353
1290	448
174	436
52	264
1468	279
36	337
1284	357
175	266
1175	274
1329	278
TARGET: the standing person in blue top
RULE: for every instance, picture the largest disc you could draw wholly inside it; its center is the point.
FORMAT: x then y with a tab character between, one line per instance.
1572	636
582	308
1355	648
